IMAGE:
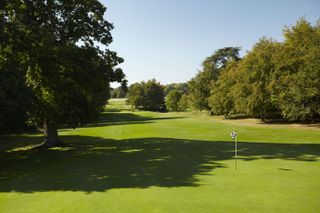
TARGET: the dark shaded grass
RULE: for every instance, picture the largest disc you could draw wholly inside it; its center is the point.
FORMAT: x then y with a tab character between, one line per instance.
114	118
96	164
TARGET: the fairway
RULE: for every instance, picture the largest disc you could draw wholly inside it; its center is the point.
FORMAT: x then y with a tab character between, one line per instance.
138	161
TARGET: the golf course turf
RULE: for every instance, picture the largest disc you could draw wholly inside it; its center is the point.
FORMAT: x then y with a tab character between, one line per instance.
138	161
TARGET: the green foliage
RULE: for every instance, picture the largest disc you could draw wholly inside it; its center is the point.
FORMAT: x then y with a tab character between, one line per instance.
180	87
297	73
219	60
147	95
15	100
72	88
69	82
154	96
255	97
184	103
135	95
199	86
15	96
275	79
174	93
172	100
222	96
199	90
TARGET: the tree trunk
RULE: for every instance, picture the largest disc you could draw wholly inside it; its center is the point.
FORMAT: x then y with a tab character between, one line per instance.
51	135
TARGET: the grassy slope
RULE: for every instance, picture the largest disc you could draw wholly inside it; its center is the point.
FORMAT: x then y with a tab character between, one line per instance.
163	162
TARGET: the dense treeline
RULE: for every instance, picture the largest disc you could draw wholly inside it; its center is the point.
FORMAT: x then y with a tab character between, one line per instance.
274	80
147	96
153	96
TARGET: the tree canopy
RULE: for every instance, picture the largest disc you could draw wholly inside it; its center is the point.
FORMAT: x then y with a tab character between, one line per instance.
54	44
296	80
199	86
176	96
147	96
172	100
274	80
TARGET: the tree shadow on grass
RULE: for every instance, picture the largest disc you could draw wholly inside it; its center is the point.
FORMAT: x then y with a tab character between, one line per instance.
113	118
96	164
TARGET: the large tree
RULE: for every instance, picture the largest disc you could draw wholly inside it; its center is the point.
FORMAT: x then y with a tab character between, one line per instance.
15	96
254	96
296	80
222	98
199	86
275	78
154	96
56	43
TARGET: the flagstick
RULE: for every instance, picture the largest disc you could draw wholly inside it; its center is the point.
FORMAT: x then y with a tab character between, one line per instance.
235	152
235	140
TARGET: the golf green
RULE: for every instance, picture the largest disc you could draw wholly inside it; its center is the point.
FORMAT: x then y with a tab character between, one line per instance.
136	161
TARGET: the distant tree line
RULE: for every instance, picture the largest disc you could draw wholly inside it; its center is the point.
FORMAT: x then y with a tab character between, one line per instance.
119	92
153	96
147	96
273	80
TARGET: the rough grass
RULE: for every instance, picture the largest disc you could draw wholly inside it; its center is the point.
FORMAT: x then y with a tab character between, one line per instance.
162	162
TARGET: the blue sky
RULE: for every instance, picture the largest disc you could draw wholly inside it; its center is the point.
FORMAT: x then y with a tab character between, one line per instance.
168	39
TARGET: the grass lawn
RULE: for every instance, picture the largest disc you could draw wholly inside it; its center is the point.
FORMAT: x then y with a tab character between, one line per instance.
162	162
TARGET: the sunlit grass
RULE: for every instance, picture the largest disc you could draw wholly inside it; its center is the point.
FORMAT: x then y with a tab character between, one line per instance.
132	161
